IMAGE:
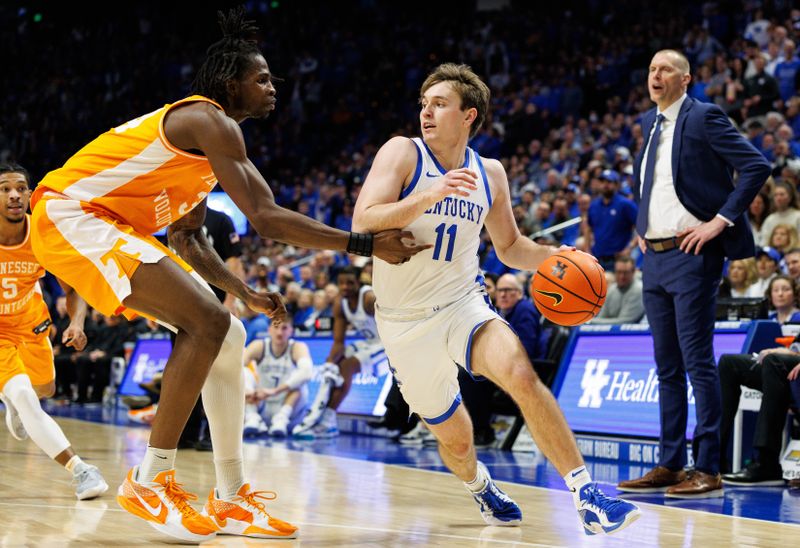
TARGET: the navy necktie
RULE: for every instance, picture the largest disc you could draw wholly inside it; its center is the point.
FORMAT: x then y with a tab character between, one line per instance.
647	181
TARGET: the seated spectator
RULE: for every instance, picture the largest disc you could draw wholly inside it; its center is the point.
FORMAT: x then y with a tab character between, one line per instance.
782	295
791	262
624	302
490	280
784	209
260	282
93	365
767	266
304	308
783	238
772	372
519	312
276	371
741	276
758	211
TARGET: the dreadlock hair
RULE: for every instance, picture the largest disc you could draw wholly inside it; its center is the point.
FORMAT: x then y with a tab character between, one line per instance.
229	58
11	167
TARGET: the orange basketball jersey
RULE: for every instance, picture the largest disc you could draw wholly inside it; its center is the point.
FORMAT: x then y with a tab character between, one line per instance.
20	295
134	174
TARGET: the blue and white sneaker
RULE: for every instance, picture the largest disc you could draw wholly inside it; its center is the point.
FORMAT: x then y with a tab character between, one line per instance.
326	428
497	508
602	514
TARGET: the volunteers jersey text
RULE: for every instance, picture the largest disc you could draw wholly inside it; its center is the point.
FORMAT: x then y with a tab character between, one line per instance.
19	278
450	269
274	370
134	174
362	322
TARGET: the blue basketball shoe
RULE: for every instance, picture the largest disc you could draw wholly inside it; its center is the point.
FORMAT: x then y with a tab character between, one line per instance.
602	514
497	508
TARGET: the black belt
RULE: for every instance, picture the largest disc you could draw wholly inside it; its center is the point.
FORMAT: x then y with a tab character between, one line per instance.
664	244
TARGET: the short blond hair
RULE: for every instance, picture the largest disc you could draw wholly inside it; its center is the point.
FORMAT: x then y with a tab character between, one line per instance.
473	91
682	63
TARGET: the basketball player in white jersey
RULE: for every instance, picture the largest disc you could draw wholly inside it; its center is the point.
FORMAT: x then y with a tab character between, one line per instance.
275	388
356	308
433	313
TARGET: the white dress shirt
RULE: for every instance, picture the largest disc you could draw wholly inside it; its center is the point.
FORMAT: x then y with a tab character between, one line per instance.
667	216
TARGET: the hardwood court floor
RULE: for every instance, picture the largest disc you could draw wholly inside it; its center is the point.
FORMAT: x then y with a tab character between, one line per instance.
336	502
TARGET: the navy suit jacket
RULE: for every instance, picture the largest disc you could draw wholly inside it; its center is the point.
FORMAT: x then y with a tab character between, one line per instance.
706	149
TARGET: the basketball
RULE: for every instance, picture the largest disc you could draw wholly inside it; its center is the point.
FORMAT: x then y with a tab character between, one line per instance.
569	288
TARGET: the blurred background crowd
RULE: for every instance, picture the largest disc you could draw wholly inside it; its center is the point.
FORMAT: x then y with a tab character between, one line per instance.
568	85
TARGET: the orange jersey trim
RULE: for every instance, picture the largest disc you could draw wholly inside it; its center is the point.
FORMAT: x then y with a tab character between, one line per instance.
132	173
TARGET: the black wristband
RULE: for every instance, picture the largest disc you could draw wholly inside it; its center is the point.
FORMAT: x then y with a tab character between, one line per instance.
360	244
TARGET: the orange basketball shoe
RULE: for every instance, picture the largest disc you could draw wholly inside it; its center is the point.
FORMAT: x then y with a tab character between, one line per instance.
165	505
246	516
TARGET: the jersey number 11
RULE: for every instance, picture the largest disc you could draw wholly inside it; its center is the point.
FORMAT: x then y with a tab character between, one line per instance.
451	241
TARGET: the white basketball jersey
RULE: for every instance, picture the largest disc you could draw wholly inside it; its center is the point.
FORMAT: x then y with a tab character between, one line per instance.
362	322
450	269
274	370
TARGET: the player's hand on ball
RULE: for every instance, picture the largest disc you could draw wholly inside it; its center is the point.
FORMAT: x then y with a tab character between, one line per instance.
575	250
270	304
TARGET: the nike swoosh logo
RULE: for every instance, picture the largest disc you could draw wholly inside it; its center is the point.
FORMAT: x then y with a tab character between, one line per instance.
159	456
429	174
557	297
157	512
575	474
221	522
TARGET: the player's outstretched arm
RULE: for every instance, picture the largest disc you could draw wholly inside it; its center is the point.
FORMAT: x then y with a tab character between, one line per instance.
187	239
220	138
379	207
512	248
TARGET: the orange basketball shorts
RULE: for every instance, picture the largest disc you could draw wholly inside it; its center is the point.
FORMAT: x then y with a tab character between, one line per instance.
91	251
22	352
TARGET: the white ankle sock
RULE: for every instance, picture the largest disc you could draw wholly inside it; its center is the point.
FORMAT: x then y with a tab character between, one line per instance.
75	465
576	479
230	477
479	483
156	461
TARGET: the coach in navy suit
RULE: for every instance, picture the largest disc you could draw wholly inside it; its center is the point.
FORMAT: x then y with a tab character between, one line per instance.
691	216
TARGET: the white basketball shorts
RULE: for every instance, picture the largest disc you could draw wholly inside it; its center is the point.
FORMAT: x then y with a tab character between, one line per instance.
425	348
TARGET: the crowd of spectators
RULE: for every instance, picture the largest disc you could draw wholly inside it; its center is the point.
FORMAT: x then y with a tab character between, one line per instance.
568	88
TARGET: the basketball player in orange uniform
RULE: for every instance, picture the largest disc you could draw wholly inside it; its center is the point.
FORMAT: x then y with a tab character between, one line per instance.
92	221
27	372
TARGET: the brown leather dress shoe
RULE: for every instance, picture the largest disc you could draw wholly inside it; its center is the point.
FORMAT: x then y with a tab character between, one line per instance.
698	485
655	481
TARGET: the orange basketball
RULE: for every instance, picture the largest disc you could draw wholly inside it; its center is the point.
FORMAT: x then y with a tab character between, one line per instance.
569	288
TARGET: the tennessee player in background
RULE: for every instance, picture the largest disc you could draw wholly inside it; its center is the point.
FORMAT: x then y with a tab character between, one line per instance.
27	371
92	221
